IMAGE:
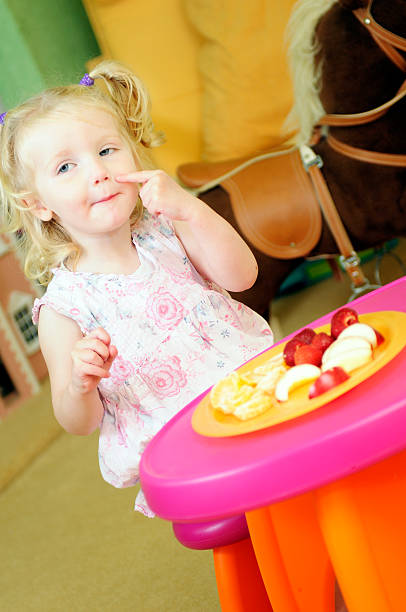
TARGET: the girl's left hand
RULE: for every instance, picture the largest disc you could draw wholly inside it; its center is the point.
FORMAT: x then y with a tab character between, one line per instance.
161	194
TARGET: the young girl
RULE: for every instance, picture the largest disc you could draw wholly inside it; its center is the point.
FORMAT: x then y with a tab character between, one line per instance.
133	324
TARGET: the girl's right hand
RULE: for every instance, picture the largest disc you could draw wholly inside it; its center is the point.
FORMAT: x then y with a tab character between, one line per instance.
92	357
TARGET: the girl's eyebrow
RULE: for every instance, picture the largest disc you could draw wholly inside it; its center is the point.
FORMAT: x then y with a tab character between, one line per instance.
57	157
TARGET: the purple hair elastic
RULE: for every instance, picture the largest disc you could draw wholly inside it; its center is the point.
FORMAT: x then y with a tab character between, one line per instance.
85	80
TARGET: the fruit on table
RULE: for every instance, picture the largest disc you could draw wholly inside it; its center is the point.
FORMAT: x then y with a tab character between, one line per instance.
289	350
361	330
248	395
295	377
327	380
306	335
322	341
229	392
308	354
348	353
341	319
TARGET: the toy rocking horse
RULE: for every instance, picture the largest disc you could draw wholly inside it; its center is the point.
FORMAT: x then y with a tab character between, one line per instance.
342	186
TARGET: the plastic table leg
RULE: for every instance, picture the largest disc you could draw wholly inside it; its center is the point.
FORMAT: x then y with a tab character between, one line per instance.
363	520
239	582
292	556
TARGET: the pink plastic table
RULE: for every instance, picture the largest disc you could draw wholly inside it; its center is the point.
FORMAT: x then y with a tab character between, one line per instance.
187	477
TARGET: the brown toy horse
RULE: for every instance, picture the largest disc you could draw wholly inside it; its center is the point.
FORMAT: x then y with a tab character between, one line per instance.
349	67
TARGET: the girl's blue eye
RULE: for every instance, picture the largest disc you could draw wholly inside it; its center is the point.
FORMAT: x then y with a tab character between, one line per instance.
106	151
64	168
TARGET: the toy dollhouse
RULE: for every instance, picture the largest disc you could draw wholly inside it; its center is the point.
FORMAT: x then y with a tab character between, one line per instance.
22	367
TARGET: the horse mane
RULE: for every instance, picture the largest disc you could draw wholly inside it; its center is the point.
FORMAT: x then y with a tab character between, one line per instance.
307	108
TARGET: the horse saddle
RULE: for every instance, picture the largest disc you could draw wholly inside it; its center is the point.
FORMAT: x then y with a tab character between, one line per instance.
272	198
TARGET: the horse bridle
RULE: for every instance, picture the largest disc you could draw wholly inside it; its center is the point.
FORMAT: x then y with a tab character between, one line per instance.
389	44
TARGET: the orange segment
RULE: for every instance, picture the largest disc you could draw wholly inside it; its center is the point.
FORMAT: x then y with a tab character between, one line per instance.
229	393
258	403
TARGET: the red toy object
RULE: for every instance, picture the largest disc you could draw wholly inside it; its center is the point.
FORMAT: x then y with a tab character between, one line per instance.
327	380
342	319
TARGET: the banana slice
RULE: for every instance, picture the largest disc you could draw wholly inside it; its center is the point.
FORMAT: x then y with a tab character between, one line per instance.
295	377
361	330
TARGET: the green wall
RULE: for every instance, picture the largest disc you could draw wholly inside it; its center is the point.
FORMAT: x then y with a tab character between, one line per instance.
42	43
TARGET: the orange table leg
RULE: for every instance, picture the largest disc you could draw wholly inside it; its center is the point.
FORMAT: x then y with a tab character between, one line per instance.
292	556
239	583
363	519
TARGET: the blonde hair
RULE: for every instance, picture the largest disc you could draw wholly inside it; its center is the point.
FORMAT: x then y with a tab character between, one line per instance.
46	244
306	75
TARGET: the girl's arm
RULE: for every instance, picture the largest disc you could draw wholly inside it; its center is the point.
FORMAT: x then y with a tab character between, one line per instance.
216	250
75	364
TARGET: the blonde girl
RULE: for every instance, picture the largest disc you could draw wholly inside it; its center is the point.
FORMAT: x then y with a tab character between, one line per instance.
136	320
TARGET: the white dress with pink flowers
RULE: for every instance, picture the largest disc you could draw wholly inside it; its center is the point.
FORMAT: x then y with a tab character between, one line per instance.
176	335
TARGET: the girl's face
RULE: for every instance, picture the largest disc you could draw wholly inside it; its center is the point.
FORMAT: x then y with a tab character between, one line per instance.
75	160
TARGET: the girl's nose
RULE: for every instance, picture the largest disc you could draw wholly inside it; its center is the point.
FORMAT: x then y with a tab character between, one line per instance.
100	178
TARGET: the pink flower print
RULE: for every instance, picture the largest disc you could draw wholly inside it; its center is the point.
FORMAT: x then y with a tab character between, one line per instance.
165	310
180	276
164	378
121	370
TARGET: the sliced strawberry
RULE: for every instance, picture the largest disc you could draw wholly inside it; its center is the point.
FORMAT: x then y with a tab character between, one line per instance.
308	354
322	341
289	351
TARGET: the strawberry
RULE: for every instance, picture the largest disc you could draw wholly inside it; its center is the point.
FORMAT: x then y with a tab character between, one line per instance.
308	354
322	341
306	335
341	319
289	351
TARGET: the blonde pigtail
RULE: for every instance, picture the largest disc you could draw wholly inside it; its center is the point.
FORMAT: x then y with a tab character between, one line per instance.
131	100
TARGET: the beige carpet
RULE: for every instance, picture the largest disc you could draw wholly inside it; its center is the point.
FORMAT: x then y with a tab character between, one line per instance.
72	543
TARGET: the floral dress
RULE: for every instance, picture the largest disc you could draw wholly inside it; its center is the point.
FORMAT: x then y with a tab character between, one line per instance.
176	335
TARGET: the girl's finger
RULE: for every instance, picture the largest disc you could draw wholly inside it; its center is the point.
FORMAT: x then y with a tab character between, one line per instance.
113	354
94	345
136	177
93	370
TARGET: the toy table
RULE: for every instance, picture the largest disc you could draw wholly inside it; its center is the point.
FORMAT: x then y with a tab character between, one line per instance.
324	494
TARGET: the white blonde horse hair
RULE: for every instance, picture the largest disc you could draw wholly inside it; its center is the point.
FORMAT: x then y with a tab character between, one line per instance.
306	77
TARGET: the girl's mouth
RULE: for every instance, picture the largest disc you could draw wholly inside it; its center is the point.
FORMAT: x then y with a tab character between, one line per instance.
106	199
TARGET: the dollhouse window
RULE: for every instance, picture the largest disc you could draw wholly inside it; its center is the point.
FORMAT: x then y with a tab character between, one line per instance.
20	306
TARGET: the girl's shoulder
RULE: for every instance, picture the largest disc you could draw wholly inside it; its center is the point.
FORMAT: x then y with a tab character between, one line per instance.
60	294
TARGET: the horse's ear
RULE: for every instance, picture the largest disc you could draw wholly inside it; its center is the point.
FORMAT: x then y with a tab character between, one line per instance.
353	4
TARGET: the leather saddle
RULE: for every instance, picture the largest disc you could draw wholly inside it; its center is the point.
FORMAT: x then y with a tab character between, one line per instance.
272	198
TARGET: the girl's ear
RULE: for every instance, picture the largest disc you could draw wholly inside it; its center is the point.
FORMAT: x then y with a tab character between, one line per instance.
38	209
